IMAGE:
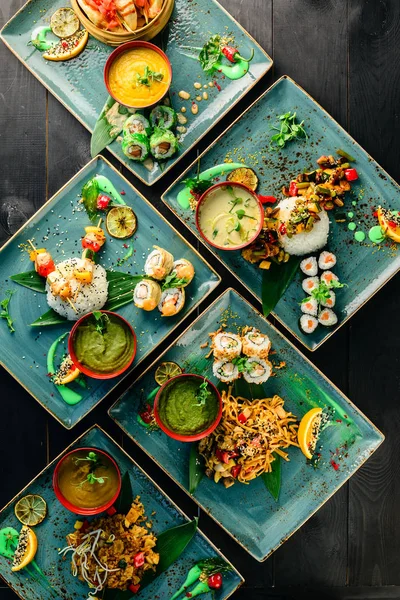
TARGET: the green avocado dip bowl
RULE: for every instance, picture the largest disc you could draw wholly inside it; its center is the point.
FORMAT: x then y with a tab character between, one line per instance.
188	407
102	344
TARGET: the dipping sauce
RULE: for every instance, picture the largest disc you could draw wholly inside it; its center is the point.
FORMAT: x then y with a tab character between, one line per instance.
183	410
139	77
104	352
229	216
88	483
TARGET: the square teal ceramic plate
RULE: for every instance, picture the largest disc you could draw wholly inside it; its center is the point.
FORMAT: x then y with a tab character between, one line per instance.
248	512
59	522
59	226
365	267
78	83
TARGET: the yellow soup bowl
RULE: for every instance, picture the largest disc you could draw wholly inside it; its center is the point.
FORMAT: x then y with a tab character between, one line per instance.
138	74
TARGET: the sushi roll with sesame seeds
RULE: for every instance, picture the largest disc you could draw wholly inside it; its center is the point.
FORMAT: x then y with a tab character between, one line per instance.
147	294
309	284
309	266
255	343
308	323
330	301
326	260
172	301
225	370
226	345
327	317
257	370
327	277
310	307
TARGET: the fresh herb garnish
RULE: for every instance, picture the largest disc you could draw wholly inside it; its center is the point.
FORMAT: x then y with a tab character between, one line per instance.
215	233
91	457
94	462
202	393
148	77
91	478
242	213
197	185
101	321
242	364
172	281
210	566
127	255
122	564
288	130
235	200
210	53
323	291
4	313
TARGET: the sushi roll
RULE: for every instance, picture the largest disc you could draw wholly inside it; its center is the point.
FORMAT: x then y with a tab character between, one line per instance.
327	277
172	301
163	116
308	323
309	266
159	263
183	269
136	146
225	370
310	307
329	302
255	343
326	260
327	317
309	284
163	144
226	345
258	370
136	123
147	294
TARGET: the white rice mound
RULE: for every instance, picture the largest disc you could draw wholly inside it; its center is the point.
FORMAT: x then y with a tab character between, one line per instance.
306	241
91	296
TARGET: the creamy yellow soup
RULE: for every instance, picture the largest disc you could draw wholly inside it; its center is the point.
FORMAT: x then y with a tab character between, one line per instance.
139	77
229	216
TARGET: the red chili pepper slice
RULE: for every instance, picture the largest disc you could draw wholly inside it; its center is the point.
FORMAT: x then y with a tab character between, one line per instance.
215	581
242	418
222	455
235	471
392	224
282	229
111	511
351	174
232	54
266	199
293	189
134	588
138	560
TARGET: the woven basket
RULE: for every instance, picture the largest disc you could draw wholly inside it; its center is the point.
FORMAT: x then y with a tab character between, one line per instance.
148	32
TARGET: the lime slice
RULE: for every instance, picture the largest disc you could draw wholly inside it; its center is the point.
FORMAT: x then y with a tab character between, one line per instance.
244	175
121	222
31	510
166	371
64	23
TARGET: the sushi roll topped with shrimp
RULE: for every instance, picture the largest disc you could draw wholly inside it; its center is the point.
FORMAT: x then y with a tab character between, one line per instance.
255	343
172	301
147	294
226	345
183	270
159	263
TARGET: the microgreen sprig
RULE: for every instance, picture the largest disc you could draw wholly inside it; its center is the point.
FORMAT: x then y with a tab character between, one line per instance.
288	130
148	77
202	393
101	321
4	313
172	281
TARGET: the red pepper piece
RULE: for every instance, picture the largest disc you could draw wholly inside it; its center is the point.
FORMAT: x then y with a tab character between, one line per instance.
351	174
134	588
392	224
138	560
111	511
147	414
222	456
232	54
235	471
242	418
266	199
282	229
91	244
293	189
85	525
103	201
215	581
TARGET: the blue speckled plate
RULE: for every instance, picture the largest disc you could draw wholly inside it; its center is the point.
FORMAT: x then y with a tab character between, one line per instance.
59	226
249	513
59	522
78	84
361	266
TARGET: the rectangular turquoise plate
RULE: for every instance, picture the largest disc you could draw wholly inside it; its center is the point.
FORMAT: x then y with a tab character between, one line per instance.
59	522
360	265
78	83
248	512
59	226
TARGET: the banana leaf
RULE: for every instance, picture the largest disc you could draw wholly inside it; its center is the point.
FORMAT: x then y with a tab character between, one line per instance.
125	498
196	468
275	282
49	318
272	480
31	280
108	125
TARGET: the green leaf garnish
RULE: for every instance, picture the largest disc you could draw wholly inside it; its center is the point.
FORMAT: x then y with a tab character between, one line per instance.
202	393
272	480
148	77
275	282
172	281
210	53
101	321
90	192
242	213
196	468
31	280
4	313
288	130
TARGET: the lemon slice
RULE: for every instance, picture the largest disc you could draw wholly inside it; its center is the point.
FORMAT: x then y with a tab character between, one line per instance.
121	222
392	232
67	48
26	549
244	175
307	434
64	23
166	371
31	510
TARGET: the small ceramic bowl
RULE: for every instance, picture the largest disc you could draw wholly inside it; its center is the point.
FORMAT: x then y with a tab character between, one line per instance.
129	46
177	436
76	509
85	370
204	198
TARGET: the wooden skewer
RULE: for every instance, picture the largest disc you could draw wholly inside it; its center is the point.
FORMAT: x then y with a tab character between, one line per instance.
72	304
100	222
32	246
77	291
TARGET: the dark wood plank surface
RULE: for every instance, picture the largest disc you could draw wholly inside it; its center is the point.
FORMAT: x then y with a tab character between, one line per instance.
346	54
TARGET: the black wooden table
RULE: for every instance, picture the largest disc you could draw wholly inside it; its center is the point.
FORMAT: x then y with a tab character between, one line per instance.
346	54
